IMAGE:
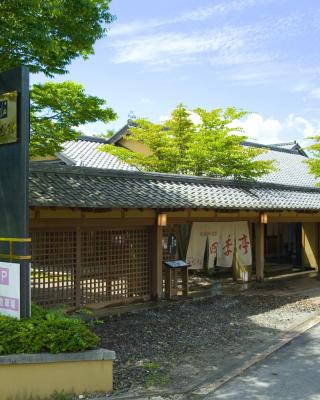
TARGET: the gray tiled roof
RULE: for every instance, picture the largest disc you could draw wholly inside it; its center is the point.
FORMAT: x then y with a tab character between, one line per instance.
85	152
87	187
292	169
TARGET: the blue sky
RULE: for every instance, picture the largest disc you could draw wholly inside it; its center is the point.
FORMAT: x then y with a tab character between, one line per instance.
259	55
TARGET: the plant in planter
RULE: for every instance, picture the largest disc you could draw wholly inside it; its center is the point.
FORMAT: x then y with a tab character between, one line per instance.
45	331
51	353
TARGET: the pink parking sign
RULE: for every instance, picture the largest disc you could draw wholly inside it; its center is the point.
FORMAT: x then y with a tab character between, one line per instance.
10	289
4	276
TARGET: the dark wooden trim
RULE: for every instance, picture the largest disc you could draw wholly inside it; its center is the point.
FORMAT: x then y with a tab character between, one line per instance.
260	242
72	223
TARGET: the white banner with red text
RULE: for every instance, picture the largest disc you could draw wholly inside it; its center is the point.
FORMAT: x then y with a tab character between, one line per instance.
225	240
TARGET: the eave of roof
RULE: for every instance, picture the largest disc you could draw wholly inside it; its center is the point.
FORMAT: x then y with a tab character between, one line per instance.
94	188
87	171
118	135
93	139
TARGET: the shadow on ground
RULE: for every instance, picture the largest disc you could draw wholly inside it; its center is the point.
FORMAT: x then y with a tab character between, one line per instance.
292	373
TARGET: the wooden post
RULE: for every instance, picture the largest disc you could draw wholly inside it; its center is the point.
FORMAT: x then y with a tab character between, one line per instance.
185	283
259	243
157	290
77	283
310	245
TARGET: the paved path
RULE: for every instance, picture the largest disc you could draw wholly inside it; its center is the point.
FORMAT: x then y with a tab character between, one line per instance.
292	373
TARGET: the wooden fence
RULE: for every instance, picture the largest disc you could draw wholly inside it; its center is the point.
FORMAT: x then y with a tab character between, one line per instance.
86	266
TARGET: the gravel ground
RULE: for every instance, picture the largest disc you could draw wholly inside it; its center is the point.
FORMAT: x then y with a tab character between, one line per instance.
171	347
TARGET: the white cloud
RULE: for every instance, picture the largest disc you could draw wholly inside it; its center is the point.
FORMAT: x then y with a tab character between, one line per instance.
262	130
272	130
301	125
176	48
164	118
238	45
269	130
222	8
135	27
239	53
199	14
310	88
315	93
92	129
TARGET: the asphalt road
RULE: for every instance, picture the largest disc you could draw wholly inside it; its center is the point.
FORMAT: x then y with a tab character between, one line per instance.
292	373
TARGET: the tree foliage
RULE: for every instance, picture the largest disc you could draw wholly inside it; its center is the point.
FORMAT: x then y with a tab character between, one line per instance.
211	147
48	35
314	162
57	110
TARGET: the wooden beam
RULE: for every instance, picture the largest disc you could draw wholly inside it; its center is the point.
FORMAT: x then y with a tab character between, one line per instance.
156	276
259	249
103	223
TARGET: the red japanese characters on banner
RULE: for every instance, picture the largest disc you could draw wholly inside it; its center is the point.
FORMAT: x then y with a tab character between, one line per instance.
213	248
244	244
228	245
225	239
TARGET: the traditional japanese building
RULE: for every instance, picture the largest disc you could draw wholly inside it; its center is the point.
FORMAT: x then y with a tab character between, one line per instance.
100	228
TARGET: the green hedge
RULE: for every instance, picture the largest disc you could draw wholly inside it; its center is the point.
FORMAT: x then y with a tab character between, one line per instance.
45	331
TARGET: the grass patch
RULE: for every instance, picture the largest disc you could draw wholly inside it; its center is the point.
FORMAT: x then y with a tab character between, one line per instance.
156	376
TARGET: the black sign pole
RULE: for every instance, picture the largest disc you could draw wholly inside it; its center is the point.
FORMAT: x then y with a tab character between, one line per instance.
14	172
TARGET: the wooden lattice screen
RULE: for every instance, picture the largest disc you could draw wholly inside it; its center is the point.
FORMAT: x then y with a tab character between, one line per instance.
91	266
53	267
115	265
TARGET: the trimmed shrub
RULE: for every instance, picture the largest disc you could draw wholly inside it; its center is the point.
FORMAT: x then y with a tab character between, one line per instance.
45	331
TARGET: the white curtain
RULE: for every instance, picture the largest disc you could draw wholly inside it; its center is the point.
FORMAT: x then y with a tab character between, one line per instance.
224	239
243	244
226	250
197	244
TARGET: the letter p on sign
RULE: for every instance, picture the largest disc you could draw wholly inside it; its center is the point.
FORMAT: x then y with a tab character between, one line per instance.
4	276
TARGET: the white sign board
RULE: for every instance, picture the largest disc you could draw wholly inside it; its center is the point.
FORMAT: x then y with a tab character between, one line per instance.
10	289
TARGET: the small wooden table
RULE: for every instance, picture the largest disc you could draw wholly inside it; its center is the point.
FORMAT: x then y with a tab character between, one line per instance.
171	281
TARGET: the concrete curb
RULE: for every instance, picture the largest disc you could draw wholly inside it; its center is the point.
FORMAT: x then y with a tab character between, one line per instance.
205	389
38	358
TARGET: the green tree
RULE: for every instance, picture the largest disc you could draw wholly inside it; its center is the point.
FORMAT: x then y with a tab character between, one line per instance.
314	162
47	35
57	110
211	147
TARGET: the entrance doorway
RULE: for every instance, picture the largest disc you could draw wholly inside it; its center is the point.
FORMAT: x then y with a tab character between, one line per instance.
283	248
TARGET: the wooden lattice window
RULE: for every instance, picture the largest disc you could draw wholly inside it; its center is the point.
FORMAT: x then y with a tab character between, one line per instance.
115	265
53	267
